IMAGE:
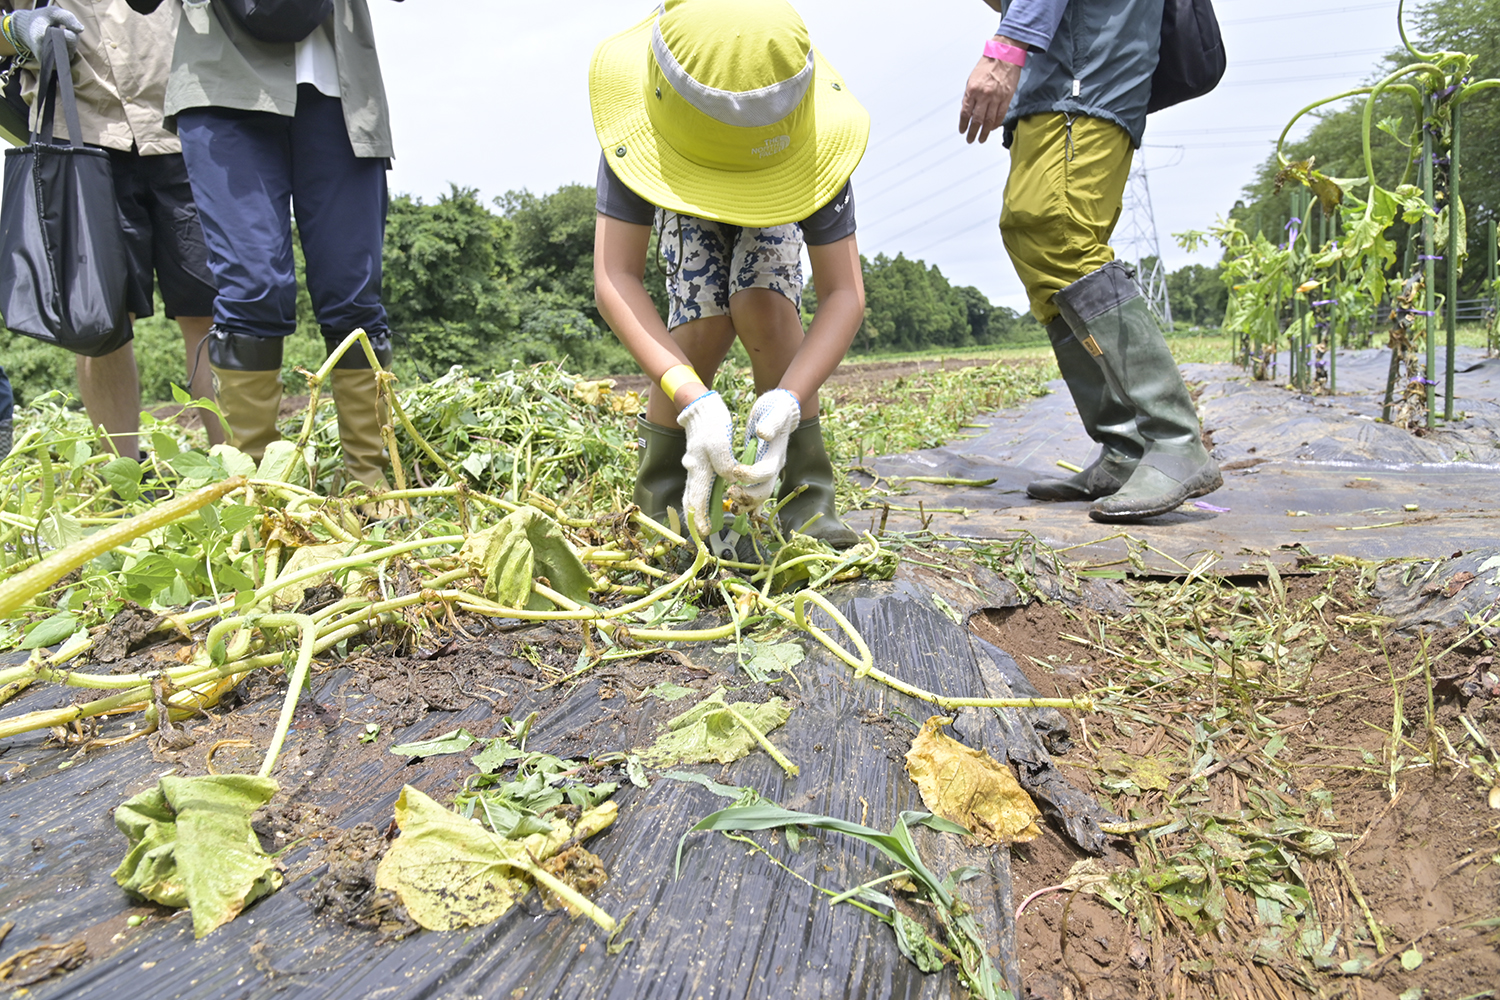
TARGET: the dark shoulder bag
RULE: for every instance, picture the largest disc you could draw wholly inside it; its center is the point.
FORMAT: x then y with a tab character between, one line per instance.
63	266
278	20
1192	54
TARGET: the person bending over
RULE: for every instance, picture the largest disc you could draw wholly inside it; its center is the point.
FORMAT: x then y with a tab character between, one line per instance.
724	127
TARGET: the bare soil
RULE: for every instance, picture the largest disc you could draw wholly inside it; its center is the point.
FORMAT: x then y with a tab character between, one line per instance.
1425	860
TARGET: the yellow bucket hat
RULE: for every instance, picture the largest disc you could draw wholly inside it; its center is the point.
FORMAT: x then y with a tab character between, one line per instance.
723	110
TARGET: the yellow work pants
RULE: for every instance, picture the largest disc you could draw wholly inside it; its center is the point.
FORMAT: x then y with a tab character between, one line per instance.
1062	201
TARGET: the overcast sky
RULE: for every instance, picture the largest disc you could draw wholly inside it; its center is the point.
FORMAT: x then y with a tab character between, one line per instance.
493	95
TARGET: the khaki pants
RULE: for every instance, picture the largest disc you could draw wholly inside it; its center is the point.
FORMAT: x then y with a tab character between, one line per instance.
1062	201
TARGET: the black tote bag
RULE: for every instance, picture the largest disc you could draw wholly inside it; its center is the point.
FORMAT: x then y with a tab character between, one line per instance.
1192	60
63	265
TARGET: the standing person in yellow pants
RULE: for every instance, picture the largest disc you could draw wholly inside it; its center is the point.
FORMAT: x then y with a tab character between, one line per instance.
720	123
1072	121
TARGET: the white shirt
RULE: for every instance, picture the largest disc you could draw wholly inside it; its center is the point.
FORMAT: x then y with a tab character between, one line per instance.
316	63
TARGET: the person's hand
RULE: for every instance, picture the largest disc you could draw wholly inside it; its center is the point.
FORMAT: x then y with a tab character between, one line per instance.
987	97
26	30
773	418
710	452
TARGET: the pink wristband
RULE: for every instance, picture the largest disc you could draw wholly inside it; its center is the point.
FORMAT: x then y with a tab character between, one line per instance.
1013	54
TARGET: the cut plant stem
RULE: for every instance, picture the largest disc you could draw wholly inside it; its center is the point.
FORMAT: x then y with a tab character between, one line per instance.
760	737
21	588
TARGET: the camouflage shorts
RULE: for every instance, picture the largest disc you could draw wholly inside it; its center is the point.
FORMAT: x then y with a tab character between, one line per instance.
707	262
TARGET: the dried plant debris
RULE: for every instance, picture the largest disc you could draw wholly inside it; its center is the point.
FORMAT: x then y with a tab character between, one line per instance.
450	872
29	967
970	787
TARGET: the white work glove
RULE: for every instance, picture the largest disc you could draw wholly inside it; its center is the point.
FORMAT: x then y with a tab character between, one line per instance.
710	452
773	418
26	30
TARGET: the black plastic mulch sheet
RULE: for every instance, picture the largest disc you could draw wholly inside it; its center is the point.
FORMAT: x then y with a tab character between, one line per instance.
1305	475
1460	588
734	925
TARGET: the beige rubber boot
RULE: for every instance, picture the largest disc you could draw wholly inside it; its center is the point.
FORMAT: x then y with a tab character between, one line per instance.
361	415
251	402
247	382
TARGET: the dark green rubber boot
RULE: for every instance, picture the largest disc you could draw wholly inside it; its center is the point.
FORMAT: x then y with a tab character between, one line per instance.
660	480
812	511
1106	418
1113	323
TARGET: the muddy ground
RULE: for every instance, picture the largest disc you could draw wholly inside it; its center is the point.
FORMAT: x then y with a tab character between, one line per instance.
1426	861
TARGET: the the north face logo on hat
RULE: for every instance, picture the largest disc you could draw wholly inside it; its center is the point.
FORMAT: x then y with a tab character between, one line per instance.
772	146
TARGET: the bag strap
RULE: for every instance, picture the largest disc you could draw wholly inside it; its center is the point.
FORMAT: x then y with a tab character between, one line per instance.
56	76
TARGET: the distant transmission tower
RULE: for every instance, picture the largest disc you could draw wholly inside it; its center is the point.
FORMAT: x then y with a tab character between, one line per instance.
1136	236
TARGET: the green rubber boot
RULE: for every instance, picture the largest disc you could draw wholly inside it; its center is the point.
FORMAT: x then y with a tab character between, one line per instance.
1106	418
1114	324
812	511
661	479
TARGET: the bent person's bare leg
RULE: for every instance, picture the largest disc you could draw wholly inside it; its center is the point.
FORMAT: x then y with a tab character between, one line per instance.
199	373
111	391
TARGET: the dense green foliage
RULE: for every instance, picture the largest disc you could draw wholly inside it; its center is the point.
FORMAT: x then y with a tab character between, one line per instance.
488	285
910	306
1198	295
1472	27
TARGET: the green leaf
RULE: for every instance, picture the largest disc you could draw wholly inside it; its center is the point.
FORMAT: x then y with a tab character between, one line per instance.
525	545
191	845
231	459
914	943
195	465
278	462
635	772
494	756
1411	958
233	517
59	529
164	445
455	741
50	630
124	477
667	691
180	395
709	732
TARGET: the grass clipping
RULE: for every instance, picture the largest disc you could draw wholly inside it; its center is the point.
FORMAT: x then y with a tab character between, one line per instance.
450	872
970	788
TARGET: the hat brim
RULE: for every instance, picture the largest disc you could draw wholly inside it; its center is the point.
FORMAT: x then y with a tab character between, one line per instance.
790	190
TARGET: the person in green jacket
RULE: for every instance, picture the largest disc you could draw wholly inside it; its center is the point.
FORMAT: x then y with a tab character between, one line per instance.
1072	119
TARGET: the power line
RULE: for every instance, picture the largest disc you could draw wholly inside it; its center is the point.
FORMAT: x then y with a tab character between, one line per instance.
917	155
916	174
993	220
884	216
1306	13
947	102
1211	131
1270	81
961	205
1309	57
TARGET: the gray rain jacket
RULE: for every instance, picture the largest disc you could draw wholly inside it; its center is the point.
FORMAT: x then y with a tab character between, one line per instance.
1098	62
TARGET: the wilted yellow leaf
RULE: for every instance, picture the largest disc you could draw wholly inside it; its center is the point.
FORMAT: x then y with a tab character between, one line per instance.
594	393
970	787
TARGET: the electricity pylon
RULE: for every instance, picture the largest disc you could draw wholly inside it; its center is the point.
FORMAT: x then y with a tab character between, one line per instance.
1136	237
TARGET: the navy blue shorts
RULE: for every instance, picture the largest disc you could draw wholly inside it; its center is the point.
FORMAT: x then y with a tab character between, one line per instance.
162	235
